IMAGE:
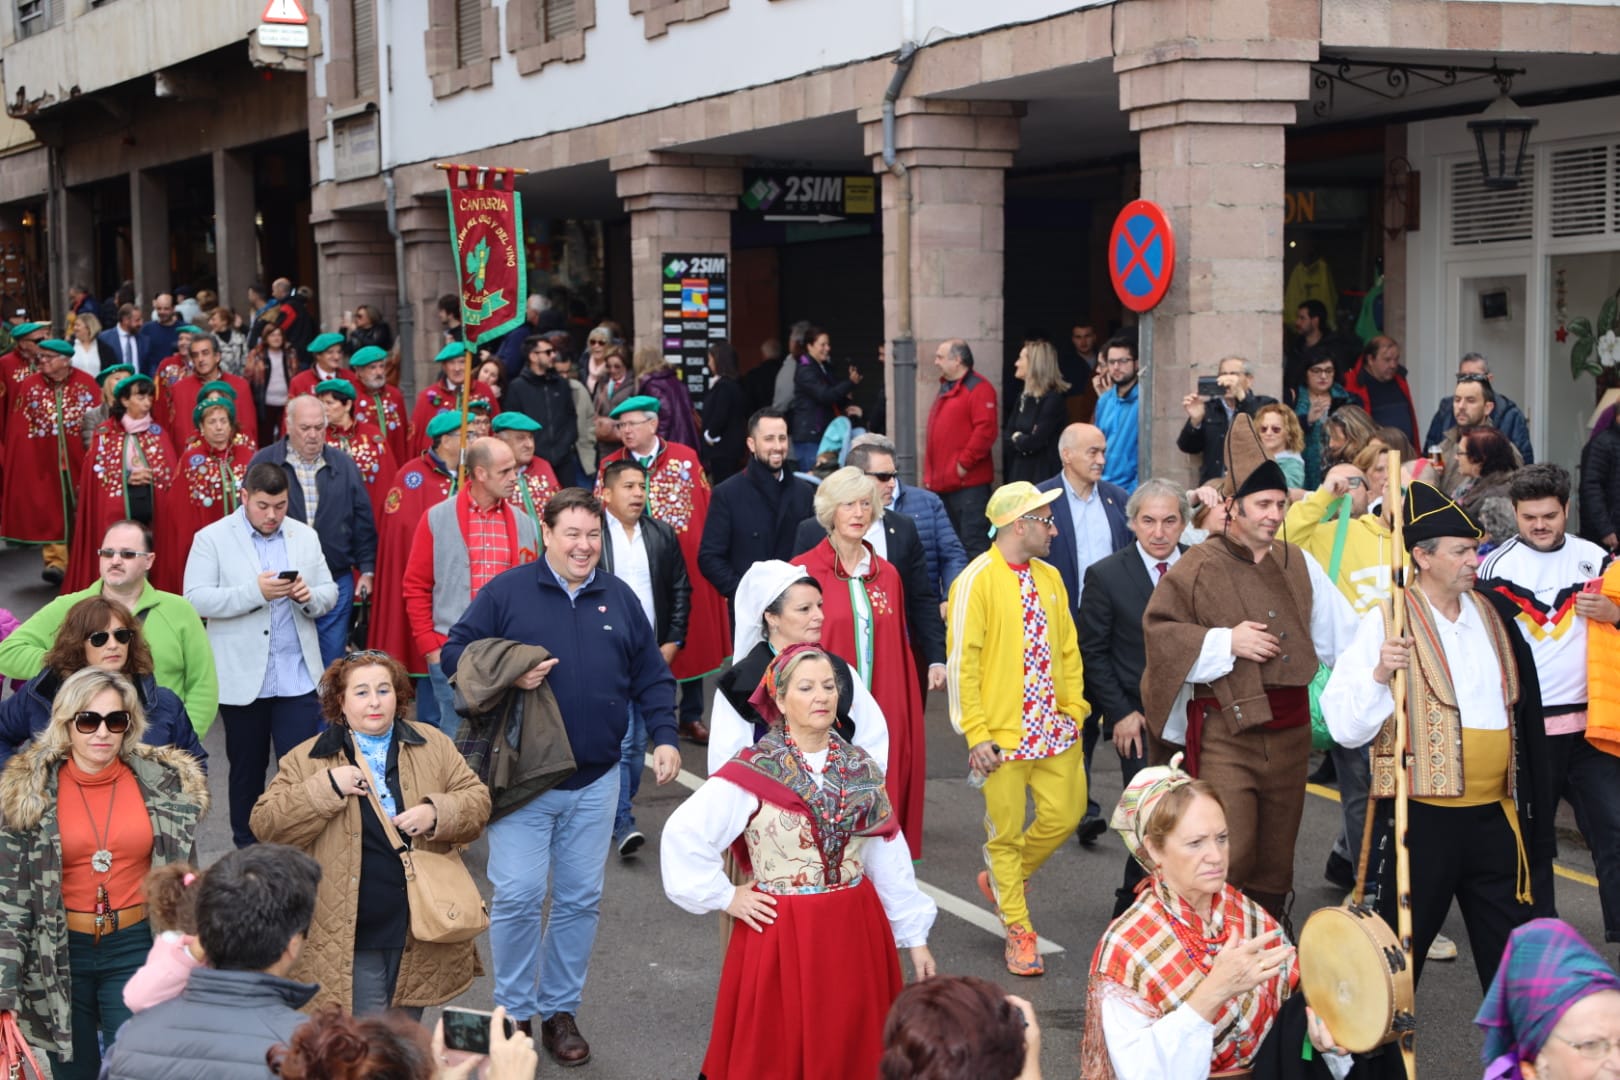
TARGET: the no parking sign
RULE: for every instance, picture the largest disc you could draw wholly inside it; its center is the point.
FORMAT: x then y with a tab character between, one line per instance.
1141	255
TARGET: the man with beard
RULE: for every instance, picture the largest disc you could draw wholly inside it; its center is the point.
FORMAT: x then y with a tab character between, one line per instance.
379	402
755	514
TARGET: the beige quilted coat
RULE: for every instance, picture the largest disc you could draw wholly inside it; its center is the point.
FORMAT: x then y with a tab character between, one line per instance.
301	809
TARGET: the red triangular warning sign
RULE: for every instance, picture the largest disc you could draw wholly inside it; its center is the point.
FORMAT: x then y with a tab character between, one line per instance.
284	11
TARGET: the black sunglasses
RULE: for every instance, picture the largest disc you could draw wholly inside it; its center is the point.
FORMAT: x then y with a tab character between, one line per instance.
87	722
123	635
883	477
122	553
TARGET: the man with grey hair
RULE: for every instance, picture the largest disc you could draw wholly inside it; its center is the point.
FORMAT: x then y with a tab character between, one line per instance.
1112	651
1507	418
963	425
327	493
874	455
1208	419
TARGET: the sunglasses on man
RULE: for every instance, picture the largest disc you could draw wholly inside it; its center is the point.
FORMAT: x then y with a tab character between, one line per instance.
122	553
87	722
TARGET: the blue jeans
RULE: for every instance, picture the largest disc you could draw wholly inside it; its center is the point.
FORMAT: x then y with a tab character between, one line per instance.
99	972
559	838
632	761
333	627
444	702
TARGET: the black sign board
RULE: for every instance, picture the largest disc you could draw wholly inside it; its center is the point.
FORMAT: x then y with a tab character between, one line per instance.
808	196
696	311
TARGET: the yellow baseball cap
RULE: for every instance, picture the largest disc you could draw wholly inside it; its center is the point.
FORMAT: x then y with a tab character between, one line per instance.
1012	501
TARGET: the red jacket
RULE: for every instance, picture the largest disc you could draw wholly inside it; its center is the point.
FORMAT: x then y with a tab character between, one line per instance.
962	427
1355	382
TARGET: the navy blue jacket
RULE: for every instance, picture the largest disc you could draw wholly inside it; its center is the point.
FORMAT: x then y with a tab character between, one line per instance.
941	546
343	519
607	657
1062	553
753	516
28	712
817	398
1507	418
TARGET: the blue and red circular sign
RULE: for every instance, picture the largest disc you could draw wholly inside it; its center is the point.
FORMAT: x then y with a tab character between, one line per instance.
1141	255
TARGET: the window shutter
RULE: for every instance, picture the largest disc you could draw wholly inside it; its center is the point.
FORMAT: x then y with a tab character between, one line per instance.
1482	215
469	32
557	17
1585	197
365	48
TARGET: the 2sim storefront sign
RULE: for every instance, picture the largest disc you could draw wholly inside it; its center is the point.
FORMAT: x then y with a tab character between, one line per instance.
814	197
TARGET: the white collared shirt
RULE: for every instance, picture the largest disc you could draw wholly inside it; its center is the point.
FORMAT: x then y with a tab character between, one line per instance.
1152	564
1093	539
630	564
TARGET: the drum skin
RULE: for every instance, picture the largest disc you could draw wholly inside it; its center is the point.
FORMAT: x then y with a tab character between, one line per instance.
1344	971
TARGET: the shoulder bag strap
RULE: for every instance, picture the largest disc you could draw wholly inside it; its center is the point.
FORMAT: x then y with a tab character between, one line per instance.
401	847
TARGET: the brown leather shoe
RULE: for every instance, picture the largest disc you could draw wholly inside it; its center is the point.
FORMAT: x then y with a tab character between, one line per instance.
697	731
562	1040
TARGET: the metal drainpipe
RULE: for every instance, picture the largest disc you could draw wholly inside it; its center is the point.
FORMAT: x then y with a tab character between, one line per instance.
903	357
404	318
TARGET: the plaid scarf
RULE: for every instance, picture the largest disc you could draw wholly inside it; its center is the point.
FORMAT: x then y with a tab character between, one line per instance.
1546	968
1154	956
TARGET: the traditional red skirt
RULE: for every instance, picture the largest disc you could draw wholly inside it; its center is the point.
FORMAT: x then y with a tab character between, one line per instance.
807	998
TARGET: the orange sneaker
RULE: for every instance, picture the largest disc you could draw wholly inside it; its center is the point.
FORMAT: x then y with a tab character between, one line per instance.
989	893
1022	956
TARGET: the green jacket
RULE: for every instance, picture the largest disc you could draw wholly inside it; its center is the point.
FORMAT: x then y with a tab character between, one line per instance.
35	982
181	656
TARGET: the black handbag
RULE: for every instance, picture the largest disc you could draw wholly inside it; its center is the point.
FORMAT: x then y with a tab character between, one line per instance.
359	624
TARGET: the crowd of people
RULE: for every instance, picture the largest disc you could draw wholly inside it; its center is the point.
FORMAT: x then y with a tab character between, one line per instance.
469	616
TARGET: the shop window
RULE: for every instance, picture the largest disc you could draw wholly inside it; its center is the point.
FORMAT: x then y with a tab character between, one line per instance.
1482	215
1585	195
657	15
539	32
463	40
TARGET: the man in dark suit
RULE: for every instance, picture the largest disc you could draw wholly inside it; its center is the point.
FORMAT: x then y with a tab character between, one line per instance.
755	515
1207	419
123	343
645	553
1111	648
1090	520
894	538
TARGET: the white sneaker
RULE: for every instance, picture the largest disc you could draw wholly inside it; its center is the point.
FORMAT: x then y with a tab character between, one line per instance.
1443	948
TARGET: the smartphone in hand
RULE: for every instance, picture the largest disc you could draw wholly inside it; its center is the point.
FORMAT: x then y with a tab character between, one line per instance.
467	1030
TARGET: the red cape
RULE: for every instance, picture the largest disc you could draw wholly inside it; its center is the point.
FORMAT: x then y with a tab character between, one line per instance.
678	495
43	443
180	401
305	381
439	398
418	486
894	673
366	445
204	494
395	424
535	487
102	501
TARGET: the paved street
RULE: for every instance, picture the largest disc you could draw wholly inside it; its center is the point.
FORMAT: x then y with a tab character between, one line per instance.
647	1005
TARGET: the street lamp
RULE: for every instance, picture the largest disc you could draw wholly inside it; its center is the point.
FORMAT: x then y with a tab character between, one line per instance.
1502	134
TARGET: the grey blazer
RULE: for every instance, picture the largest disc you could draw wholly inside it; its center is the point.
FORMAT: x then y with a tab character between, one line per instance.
222	583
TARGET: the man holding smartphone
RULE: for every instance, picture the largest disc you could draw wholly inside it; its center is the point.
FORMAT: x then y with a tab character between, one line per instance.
261	580
1545	578
1210	413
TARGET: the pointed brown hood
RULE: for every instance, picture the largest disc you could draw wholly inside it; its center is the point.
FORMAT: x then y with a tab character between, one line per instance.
1248	467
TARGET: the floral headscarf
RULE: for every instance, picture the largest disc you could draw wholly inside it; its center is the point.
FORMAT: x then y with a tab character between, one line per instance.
1137	803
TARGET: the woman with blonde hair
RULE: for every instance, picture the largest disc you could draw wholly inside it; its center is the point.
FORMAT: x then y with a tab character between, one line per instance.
656	377
1349	430
1039	417
864	619
1284	440
86	354
101	810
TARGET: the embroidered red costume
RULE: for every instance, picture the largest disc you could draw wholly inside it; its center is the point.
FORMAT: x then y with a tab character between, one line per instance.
418	485
44	452
442	397
535	487
366	445
385	409
210	485
179	402
106	496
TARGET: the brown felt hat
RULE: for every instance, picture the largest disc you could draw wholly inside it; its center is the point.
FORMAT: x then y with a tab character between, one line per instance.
1248	467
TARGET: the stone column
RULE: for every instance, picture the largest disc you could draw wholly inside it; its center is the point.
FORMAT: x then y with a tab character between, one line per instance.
357	264
956	155
1210	89
677	203
430	271
236	238
149	234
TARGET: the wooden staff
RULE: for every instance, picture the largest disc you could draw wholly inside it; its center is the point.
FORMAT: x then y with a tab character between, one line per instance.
1403	756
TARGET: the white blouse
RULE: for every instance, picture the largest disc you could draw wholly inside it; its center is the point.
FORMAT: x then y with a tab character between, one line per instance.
1178	1044
702	828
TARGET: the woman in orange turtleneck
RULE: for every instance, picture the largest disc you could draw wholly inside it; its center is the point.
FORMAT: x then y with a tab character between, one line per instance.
114	809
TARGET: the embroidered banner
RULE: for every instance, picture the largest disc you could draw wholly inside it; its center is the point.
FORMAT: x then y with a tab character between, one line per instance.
486	236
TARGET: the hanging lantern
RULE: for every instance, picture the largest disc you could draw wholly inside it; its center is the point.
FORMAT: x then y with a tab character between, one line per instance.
1502	134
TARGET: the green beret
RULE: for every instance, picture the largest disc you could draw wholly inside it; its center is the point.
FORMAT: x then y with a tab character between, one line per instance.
217	388
115	369
22	330
639	403
514	421
118	391
443	423
368	355
340	387
57	345
324	342
456	350
189	328
212	402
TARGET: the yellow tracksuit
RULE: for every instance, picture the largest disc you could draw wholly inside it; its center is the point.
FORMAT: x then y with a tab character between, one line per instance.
985	676
1363	566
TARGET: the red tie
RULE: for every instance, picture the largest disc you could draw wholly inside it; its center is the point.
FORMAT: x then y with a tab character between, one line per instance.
1162	568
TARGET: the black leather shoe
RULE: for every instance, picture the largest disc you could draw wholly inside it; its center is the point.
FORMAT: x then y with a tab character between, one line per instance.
562	1040
1339	872
1090	831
